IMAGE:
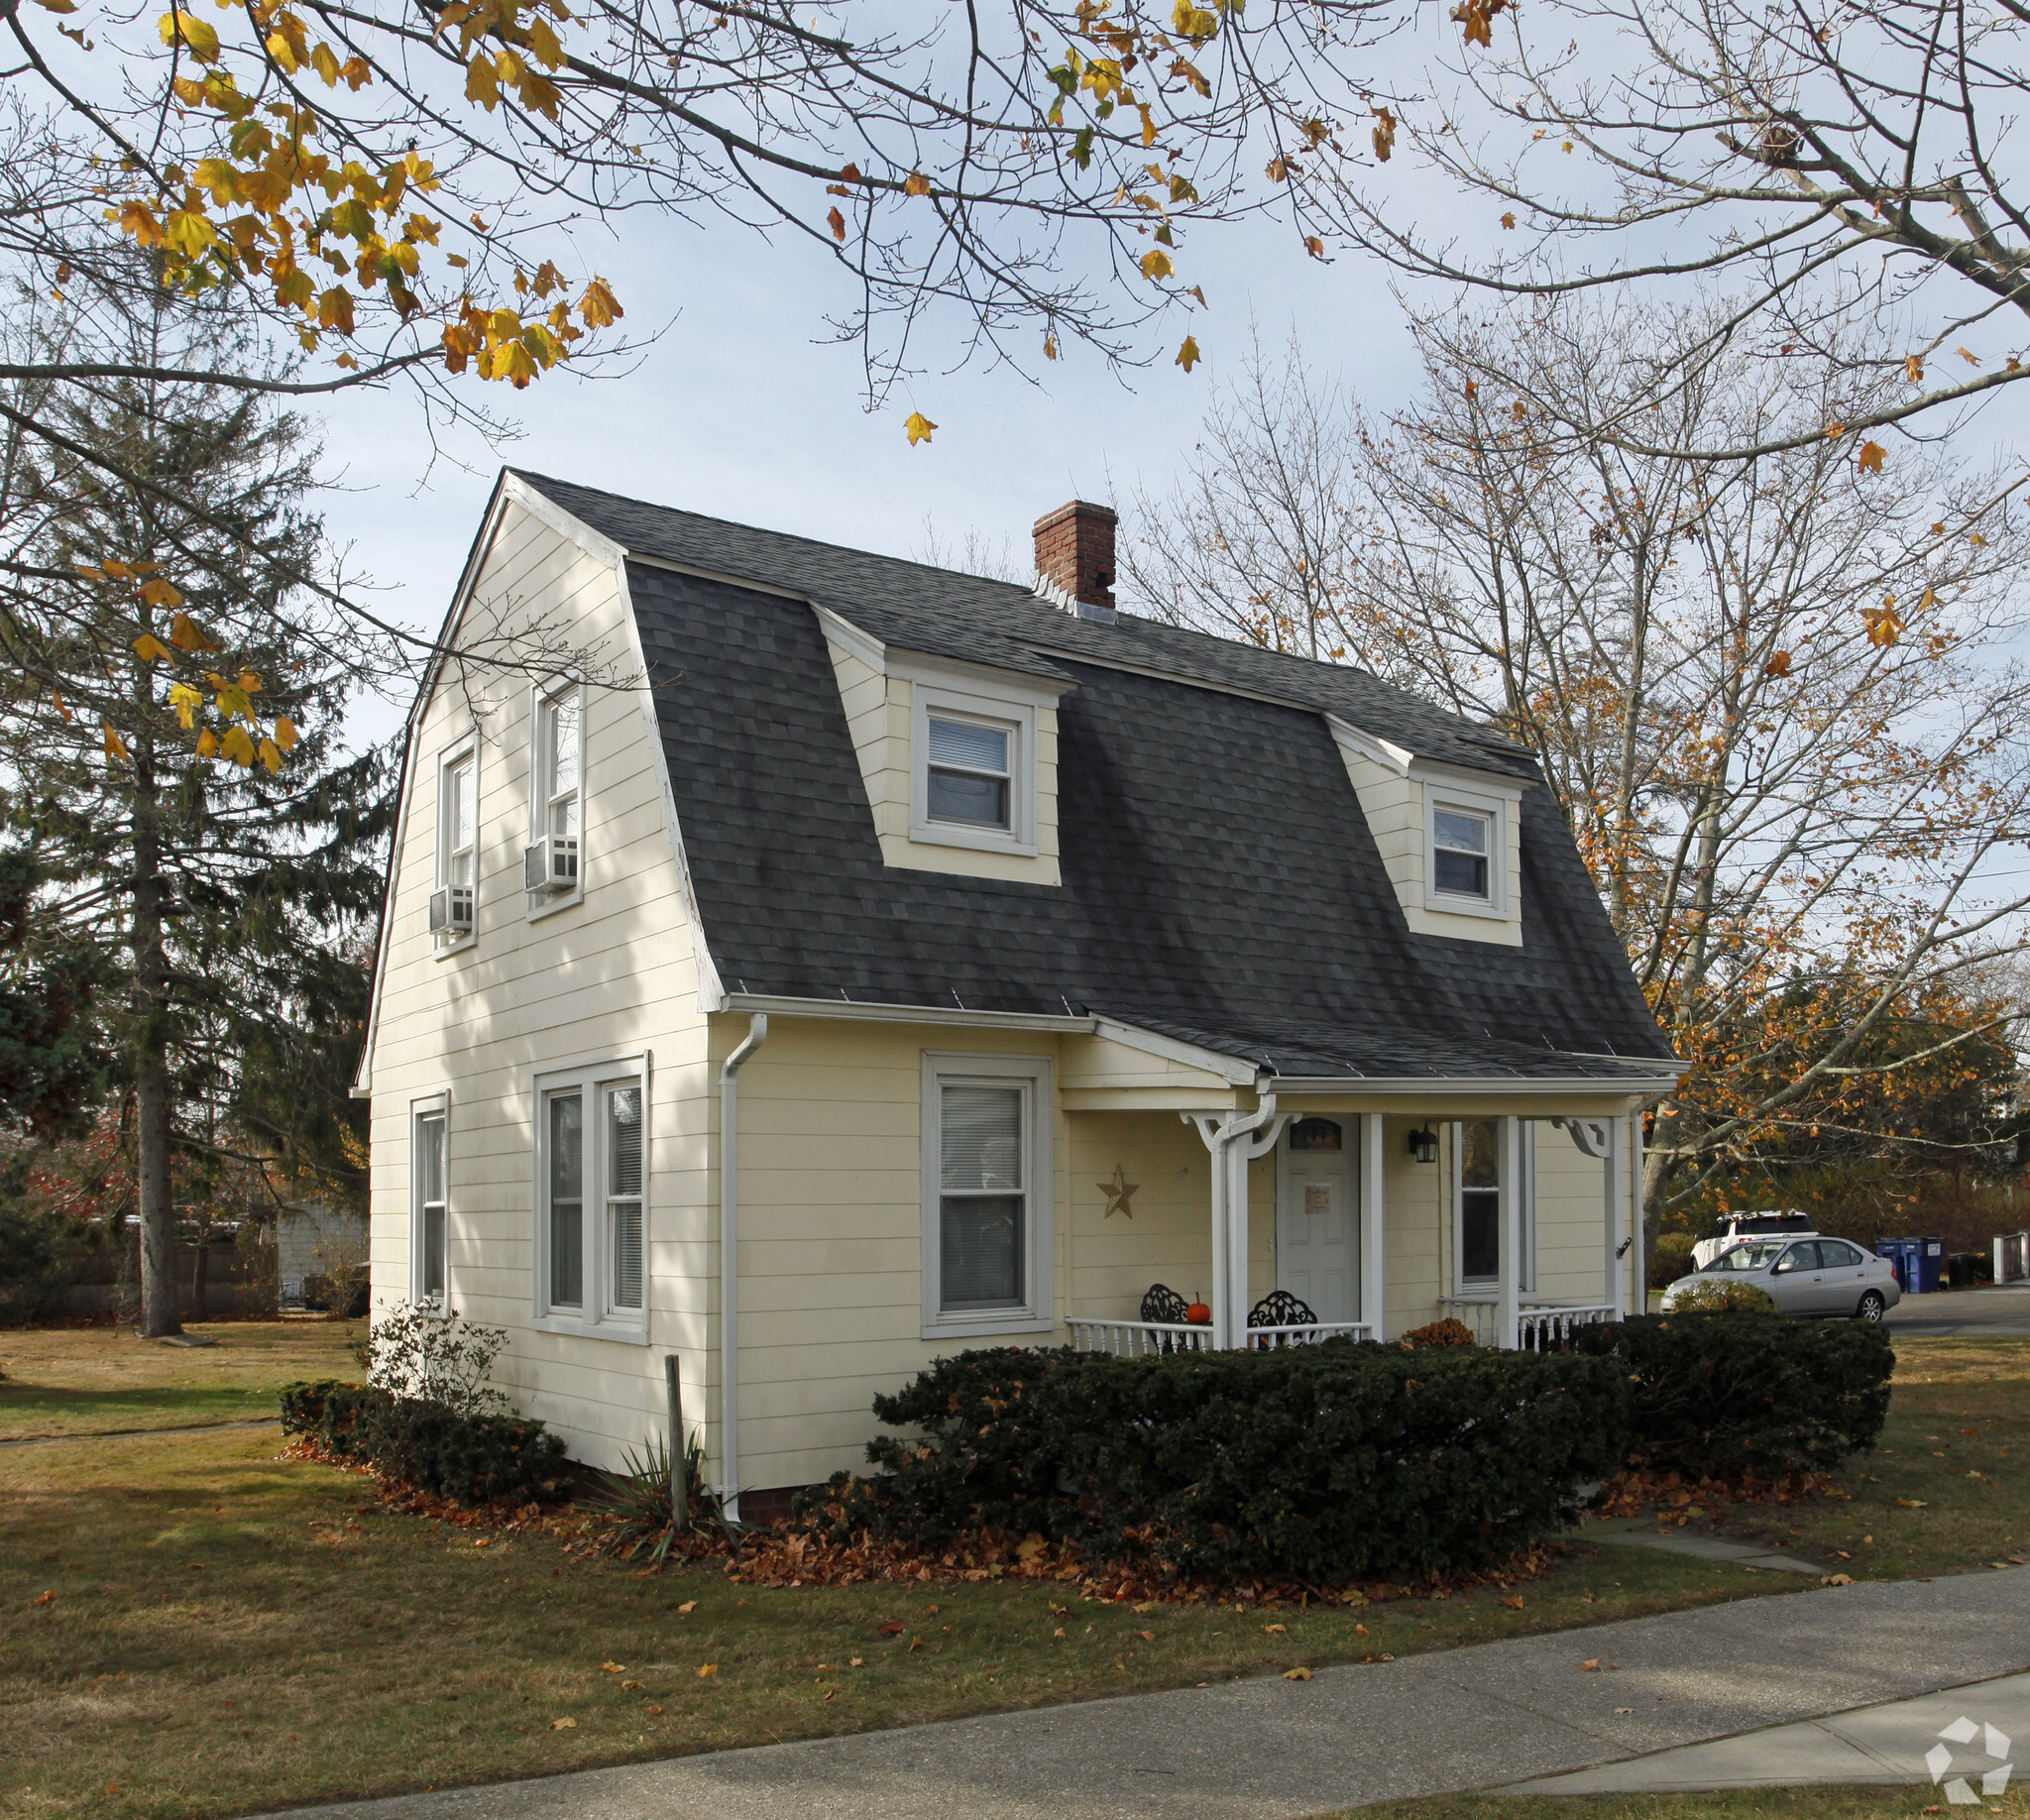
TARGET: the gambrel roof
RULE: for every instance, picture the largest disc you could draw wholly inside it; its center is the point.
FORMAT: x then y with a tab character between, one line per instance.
1219	882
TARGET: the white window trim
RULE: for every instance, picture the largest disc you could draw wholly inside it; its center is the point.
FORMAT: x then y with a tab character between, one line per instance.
1497	809
1039	1115
1463	1284
466	750
597	1319
423	1106
1018	718
545	903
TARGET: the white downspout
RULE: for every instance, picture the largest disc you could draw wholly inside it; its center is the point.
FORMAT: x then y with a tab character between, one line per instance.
1638	1213
730	1265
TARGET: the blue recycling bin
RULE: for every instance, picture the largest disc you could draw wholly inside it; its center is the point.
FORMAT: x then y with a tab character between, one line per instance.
1931	1263
1902	1258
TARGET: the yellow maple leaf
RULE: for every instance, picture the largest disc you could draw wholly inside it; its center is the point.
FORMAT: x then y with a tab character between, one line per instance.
916	184
1187	355
150	649
1870	457
187	635
237	746
1157	265
116	748
918	427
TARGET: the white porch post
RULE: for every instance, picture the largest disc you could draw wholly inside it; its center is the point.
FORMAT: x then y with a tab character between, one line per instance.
1641	1268
1374	1230
1615	1217
1509	1309
1235	1140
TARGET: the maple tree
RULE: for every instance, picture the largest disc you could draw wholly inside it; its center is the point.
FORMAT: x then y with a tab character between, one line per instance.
1774	697
1806	160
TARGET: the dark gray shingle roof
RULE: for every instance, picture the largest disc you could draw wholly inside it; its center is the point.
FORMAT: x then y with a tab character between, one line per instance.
1219	880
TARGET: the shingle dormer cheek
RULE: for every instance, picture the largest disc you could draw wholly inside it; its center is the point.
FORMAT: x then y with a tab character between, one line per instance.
1448	838
960	761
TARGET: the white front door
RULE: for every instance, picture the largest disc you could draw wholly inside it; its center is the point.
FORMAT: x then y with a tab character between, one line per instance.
1317	1225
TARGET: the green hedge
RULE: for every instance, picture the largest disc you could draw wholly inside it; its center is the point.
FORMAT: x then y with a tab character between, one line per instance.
1315	1463
472	1459
1723	1395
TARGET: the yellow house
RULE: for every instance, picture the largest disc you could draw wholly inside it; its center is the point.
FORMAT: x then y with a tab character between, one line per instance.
800	965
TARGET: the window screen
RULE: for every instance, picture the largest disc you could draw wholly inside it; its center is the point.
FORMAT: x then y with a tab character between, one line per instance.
983	1205
624	1193
566	1187
1459	853
969	774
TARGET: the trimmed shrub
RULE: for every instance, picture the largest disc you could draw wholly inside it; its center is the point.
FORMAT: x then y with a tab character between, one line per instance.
1720	1396
332	1409
1717	1295
1452	1332
472	1459
1314	1463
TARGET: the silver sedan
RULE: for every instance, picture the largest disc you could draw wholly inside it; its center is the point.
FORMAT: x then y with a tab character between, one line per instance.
1811	1276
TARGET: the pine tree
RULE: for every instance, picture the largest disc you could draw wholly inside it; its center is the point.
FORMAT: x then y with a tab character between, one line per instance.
214	895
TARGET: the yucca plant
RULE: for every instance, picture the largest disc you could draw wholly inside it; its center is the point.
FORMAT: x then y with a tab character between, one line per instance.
639	1511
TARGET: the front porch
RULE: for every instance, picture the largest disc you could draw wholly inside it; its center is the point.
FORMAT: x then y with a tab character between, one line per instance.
1319	1219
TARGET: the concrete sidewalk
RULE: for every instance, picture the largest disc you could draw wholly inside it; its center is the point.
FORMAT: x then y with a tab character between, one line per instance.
1879	1745
1273	1749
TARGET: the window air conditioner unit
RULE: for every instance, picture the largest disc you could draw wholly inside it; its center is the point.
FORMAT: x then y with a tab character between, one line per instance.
451	910
551	866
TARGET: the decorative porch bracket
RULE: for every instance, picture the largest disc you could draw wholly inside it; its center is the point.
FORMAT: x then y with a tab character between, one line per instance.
1235	1139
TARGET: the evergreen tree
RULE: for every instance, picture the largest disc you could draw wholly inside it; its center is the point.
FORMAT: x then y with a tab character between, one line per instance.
187	833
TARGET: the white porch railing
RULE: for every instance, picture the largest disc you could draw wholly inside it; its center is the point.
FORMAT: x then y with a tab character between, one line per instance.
1134	1340
1540	1326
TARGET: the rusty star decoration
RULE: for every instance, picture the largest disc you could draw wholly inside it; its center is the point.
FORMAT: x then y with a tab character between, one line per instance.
1117	1192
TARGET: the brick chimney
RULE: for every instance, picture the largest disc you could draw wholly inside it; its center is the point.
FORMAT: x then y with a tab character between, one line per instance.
1074	557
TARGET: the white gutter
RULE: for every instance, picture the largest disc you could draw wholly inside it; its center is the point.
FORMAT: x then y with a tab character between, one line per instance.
728	1265
1595	1086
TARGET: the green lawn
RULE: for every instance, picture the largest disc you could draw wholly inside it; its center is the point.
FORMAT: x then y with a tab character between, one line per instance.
98	1380
228	1631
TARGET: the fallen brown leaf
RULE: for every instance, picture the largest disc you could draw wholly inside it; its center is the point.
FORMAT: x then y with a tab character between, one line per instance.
889	1626
1297	1674
1591	1664
689	1605
708	1671
654	1712
563	1725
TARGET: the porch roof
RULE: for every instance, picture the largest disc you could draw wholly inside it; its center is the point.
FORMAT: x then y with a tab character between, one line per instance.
1367	1058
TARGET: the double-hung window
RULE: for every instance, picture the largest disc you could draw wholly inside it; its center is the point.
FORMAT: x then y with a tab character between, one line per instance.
987	1216
1466	848
430	1202
557	809
592	1170
972	770
970	781
1477	1199
453	902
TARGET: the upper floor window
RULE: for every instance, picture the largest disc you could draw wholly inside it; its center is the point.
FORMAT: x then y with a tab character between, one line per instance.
553	854
1466	839
1460	858
969	773
974	771
452	903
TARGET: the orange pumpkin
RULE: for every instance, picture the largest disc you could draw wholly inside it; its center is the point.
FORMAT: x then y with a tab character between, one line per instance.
1198	1315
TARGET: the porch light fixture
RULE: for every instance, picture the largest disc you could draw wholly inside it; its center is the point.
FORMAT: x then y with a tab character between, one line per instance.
1424	1145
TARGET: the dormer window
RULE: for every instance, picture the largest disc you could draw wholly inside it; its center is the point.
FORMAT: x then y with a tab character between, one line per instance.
970	781
973	770
1462	842
1466	849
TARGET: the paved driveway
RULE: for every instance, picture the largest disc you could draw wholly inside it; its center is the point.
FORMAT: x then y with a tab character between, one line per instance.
1965	1311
